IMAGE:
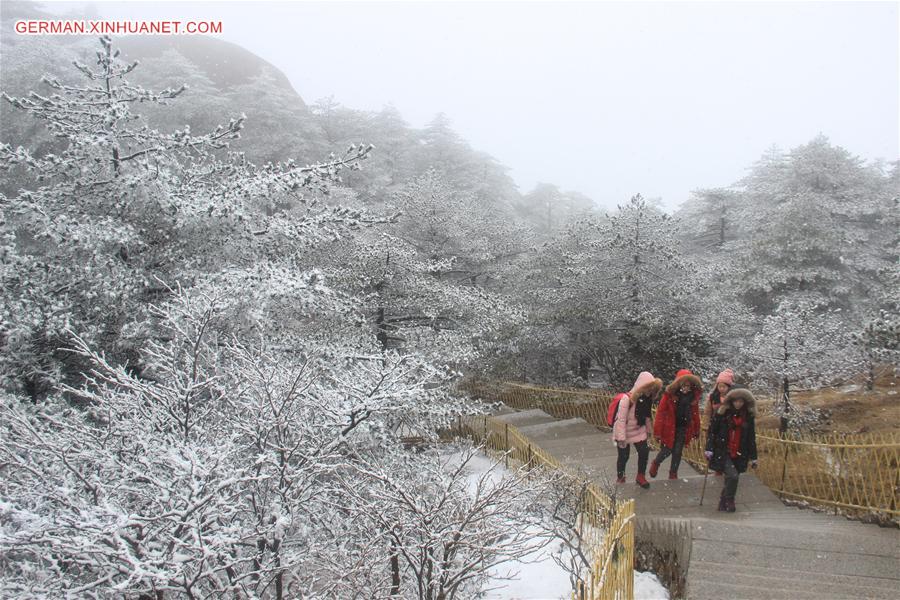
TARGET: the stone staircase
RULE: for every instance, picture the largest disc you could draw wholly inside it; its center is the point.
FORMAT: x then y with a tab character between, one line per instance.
765	550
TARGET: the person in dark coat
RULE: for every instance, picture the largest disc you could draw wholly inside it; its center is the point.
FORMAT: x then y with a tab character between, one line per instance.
677	420
731	441
724	383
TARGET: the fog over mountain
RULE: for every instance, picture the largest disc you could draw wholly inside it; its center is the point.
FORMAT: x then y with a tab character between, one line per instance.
609	99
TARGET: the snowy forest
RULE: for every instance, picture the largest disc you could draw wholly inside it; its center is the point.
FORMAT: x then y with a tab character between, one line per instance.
225	310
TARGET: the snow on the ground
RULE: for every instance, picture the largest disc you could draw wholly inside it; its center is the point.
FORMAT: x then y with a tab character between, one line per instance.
538	576
648	587
546	580
478	465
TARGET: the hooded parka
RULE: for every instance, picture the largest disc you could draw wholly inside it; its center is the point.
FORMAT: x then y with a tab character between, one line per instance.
722	426
666	421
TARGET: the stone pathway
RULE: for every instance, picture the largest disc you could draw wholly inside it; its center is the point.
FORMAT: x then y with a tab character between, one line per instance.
765	550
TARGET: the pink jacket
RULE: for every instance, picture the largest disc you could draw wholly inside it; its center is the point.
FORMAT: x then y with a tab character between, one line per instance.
628	429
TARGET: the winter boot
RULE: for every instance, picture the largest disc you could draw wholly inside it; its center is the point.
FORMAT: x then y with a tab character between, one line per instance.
729	505
620	479
673	474
654	468
723	503
642	481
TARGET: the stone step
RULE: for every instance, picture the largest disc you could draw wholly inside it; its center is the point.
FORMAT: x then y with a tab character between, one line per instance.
581	448
564	430
735	587
775	553
525	417
800	535
815	526
789	580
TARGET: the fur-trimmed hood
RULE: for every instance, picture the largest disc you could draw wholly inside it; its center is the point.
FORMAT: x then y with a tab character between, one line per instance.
646	384
738	392
682	376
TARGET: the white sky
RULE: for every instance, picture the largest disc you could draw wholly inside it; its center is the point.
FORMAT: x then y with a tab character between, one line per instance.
609	99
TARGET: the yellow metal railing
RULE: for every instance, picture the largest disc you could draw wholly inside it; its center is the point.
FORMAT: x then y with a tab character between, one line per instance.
607	525
590	405
858	474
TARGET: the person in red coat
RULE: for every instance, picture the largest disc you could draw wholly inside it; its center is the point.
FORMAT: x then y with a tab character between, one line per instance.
677	420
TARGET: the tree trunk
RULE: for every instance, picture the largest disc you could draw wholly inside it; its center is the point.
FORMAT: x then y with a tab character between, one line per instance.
381	334
279	578
584	367
870	374
785	388
395	571
786	401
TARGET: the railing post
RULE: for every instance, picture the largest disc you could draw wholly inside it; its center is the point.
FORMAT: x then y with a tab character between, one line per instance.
784	464
506	435
895	491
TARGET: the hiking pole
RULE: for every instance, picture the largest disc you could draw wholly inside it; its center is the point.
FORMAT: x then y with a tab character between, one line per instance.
705	476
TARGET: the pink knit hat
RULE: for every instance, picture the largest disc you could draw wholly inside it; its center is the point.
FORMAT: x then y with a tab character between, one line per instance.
644	380
726	377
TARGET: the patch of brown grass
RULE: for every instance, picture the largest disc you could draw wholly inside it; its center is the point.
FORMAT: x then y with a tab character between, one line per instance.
849	408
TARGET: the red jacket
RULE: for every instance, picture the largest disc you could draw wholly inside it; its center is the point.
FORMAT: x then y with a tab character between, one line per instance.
664	424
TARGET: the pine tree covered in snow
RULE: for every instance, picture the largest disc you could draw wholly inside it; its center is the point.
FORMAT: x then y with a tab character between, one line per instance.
119	206
803	344
429	279
623	293
815	221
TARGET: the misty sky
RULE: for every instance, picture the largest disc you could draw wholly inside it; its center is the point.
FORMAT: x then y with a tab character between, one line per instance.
609	99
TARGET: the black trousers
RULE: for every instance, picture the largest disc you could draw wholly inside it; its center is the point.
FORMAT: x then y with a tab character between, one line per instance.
731	479
643	452
675	450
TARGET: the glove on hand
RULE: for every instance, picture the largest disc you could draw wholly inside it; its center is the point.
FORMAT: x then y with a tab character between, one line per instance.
708	455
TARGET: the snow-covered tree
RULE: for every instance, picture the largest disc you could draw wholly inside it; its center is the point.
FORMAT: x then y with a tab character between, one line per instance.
427	280
803	343
817	220
714	215
443	528
619	294
119	205
878	339
548	208
210	472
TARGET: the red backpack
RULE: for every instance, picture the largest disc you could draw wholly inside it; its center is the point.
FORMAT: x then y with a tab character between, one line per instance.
613	409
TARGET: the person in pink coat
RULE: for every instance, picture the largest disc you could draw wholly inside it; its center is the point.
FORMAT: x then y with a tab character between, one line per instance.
632	423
